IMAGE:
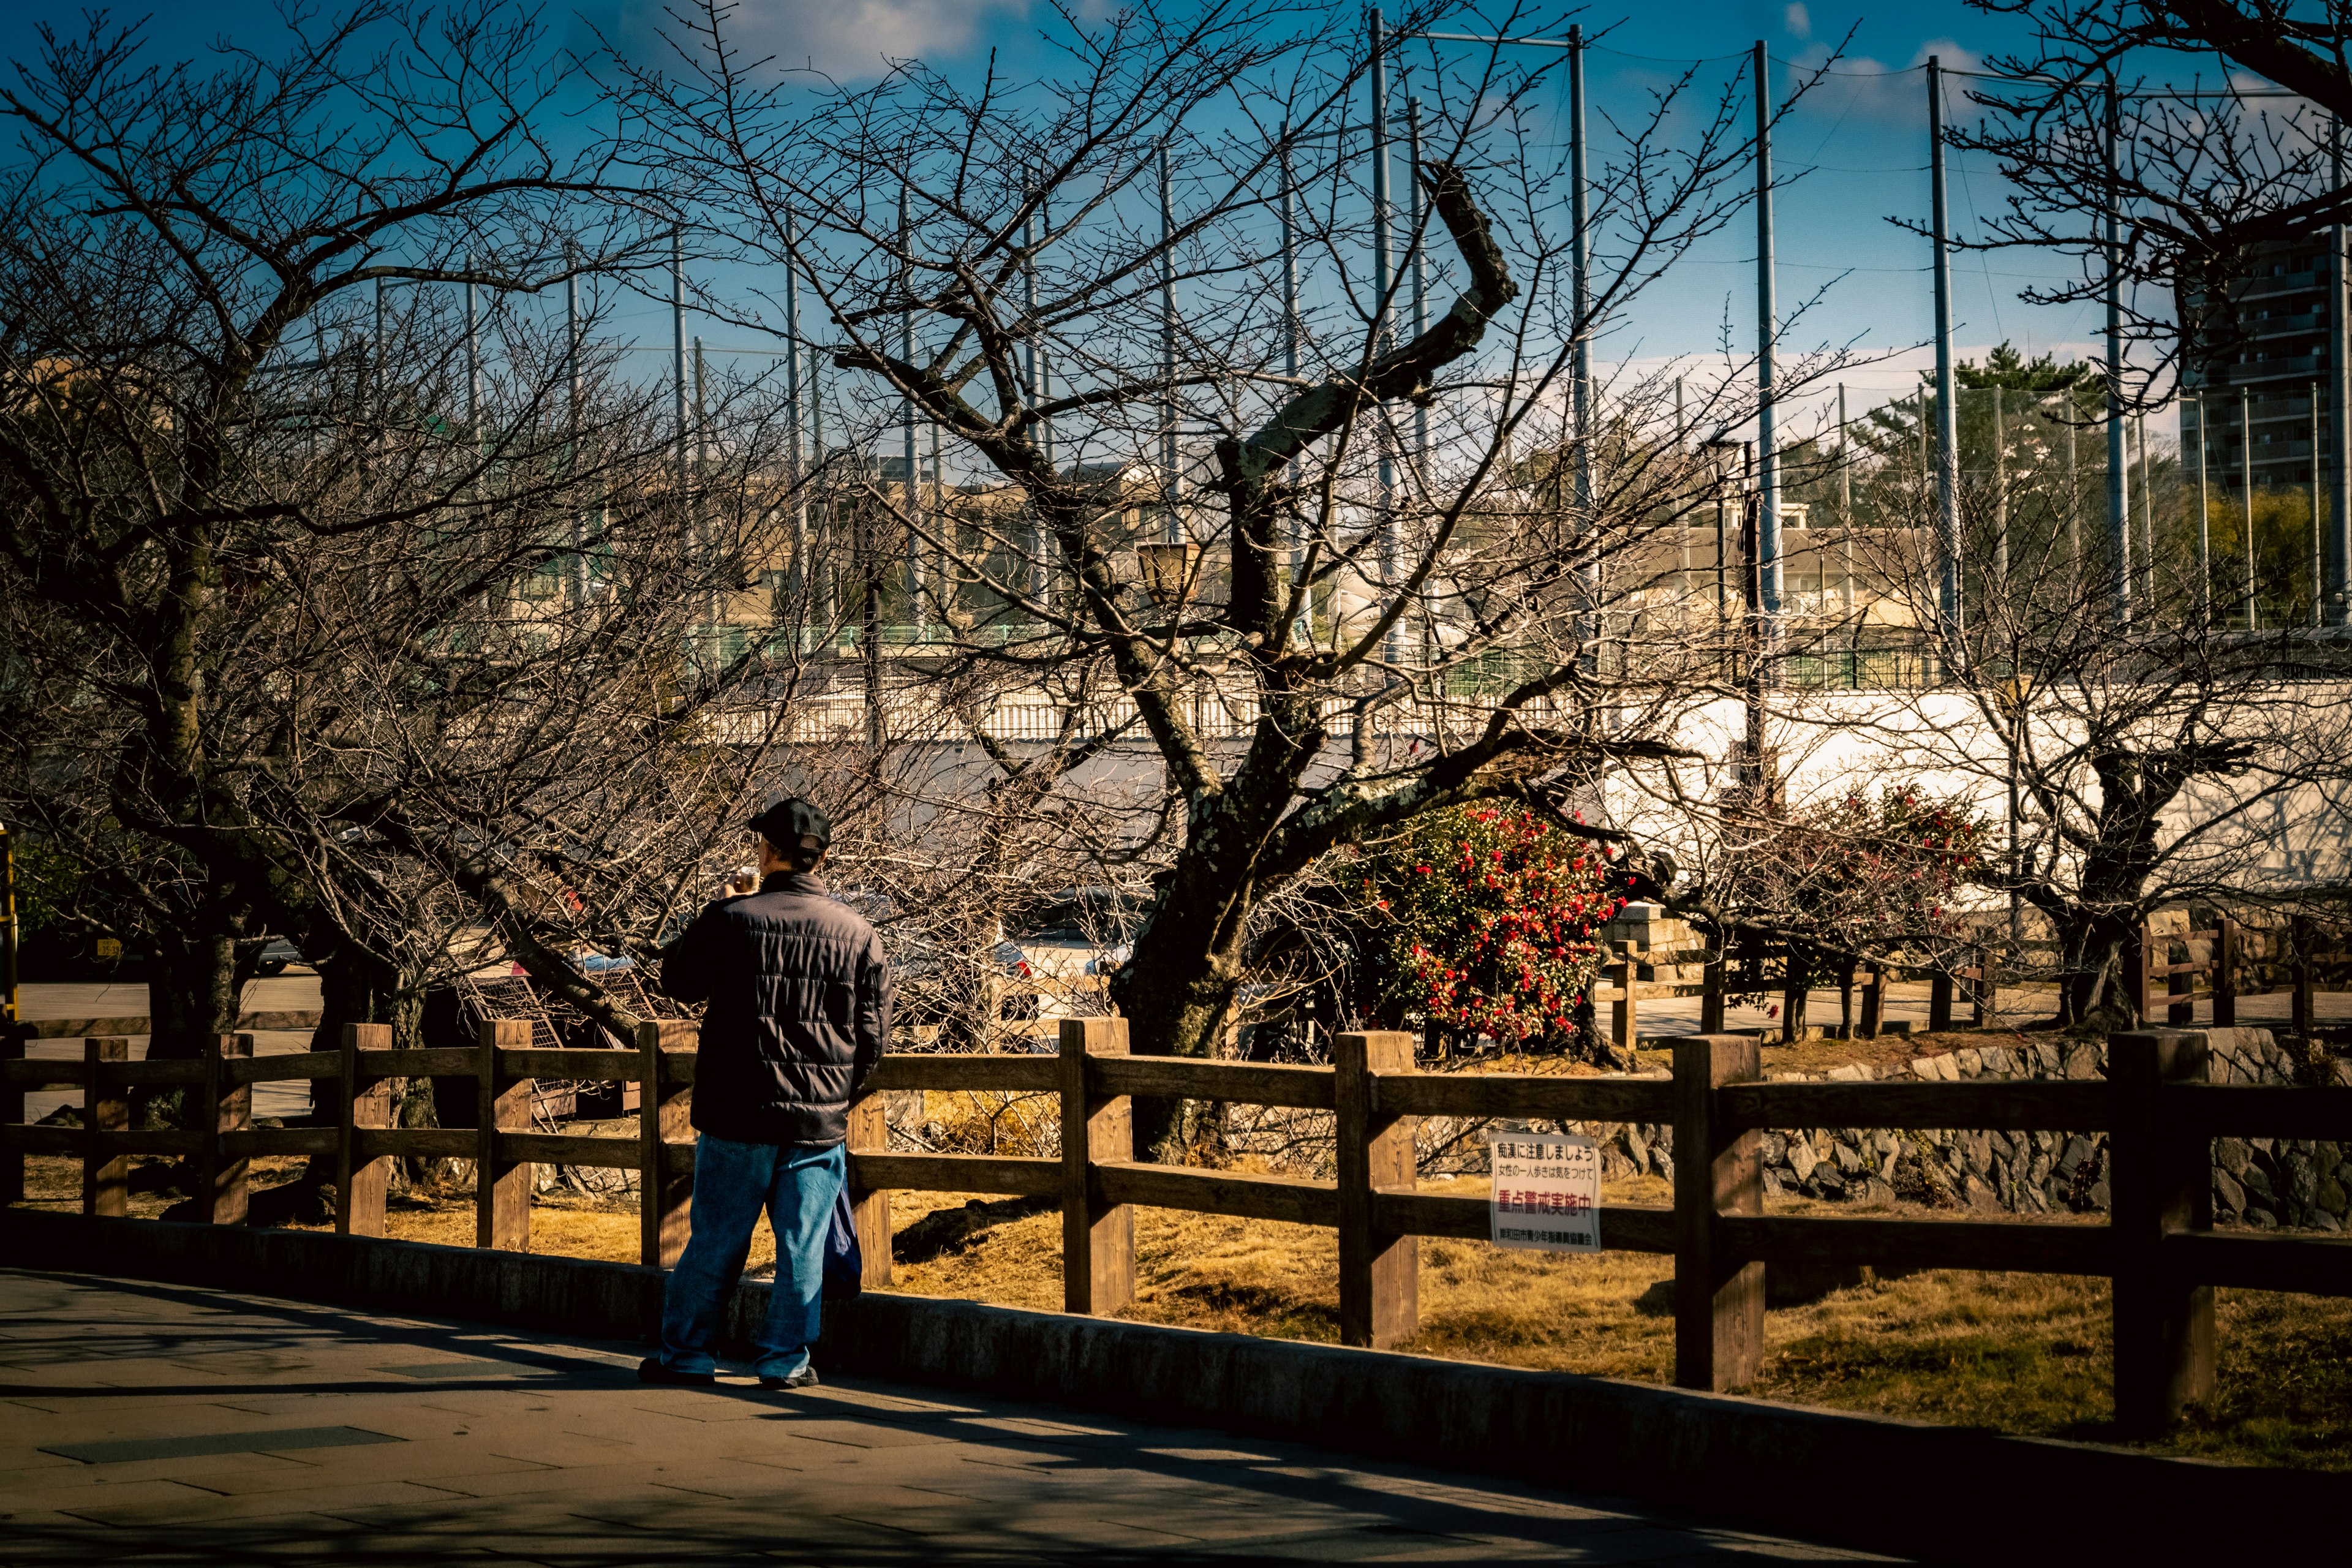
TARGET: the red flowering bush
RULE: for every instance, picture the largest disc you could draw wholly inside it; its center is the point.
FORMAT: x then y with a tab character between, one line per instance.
1866	875
1487	915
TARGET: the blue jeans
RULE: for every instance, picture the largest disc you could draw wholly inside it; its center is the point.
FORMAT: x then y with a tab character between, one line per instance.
798	1184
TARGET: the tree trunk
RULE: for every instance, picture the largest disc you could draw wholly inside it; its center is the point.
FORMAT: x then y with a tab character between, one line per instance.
2092	993
1178	997
193	994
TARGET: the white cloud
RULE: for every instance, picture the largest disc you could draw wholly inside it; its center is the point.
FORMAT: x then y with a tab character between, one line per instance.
1862	89
1797	22
854	40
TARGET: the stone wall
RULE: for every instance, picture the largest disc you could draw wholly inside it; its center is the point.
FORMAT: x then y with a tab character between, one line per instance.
2261	1181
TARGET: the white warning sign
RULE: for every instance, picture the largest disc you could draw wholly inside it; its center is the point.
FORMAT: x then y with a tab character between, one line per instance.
1547	1190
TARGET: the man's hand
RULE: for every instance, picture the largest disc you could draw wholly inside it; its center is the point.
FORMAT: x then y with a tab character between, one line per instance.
746	879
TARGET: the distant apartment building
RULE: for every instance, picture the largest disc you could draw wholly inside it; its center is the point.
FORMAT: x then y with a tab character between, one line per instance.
2251	396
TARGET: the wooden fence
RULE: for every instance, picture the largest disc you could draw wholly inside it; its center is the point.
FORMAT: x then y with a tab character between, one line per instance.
2158	1111
2164	991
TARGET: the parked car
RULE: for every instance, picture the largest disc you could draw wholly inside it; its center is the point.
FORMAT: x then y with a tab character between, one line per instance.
277	957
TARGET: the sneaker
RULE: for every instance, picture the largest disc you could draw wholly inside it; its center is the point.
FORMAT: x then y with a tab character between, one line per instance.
804	1378
651	1370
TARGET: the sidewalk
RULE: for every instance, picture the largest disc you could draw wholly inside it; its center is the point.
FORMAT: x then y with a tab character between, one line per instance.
215	1428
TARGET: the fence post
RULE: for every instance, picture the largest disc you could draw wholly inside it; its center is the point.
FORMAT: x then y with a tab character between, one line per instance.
2137	982
106	1108
869	1133
2180	988
664	1196
1624	1018
1719	1300
2226	951
1982	1004
2162	1183
1380	1271
1940	1001
362	1105
2306	1014
13	1040
501	1185
1874	1002
1097	1238
228	1112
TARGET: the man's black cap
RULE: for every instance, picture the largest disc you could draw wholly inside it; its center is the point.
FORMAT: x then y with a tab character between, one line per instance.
794	825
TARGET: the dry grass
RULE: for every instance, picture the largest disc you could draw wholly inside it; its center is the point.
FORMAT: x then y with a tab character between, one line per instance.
2031	1354
2023	1353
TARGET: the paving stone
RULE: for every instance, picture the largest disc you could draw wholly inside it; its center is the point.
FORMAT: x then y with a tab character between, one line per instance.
253	1440
211	1508
491	1447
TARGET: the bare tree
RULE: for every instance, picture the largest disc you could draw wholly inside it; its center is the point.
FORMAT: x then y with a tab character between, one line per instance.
1320	556
354	589
2205	128
2139	764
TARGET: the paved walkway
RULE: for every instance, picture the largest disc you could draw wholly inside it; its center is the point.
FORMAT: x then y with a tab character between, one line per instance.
141	1420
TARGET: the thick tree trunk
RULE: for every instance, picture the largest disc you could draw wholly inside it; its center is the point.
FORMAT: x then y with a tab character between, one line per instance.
2092	993
1178	995
193	994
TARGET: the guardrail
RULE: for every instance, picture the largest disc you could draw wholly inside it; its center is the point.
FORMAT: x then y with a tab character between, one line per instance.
2160	1115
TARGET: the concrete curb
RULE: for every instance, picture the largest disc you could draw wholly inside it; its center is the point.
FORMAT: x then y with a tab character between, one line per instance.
1943	1493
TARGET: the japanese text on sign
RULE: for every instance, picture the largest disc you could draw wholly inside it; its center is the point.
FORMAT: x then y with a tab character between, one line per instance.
1546	1192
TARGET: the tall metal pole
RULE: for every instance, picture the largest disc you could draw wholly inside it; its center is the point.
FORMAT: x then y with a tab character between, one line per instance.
2246	491
915	608
715	606
2204	520
2146	597
677	350
571	427
1999	502
2318	549
473	359
572	352
1682	447
1040	573
1044	354
1767	331
943	523
1418	267
2118	492
827	587
1383	282
381	355
1579	261
2336	606
1580	265
1291	544
1948	402
2073	506
796	465
1171	480
1845	495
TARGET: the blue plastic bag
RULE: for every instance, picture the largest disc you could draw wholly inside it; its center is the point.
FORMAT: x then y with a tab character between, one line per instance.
845	1264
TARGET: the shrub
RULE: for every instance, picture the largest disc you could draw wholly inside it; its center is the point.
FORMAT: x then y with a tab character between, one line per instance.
1485	915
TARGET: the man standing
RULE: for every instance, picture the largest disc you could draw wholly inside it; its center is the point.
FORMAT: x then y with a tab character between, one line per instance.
799	1009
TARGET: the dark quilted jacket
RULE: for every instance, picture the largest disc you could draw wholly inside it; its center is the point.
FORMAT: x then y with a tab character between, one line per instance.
799	1010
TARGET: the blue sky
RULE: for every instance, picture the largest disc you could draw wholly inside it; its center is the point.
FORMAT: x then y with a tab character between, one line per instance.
1864	135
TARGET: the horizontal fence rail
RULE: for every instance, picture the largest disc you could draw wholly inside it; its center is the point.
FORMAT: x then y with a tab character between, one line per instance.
2156	1109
